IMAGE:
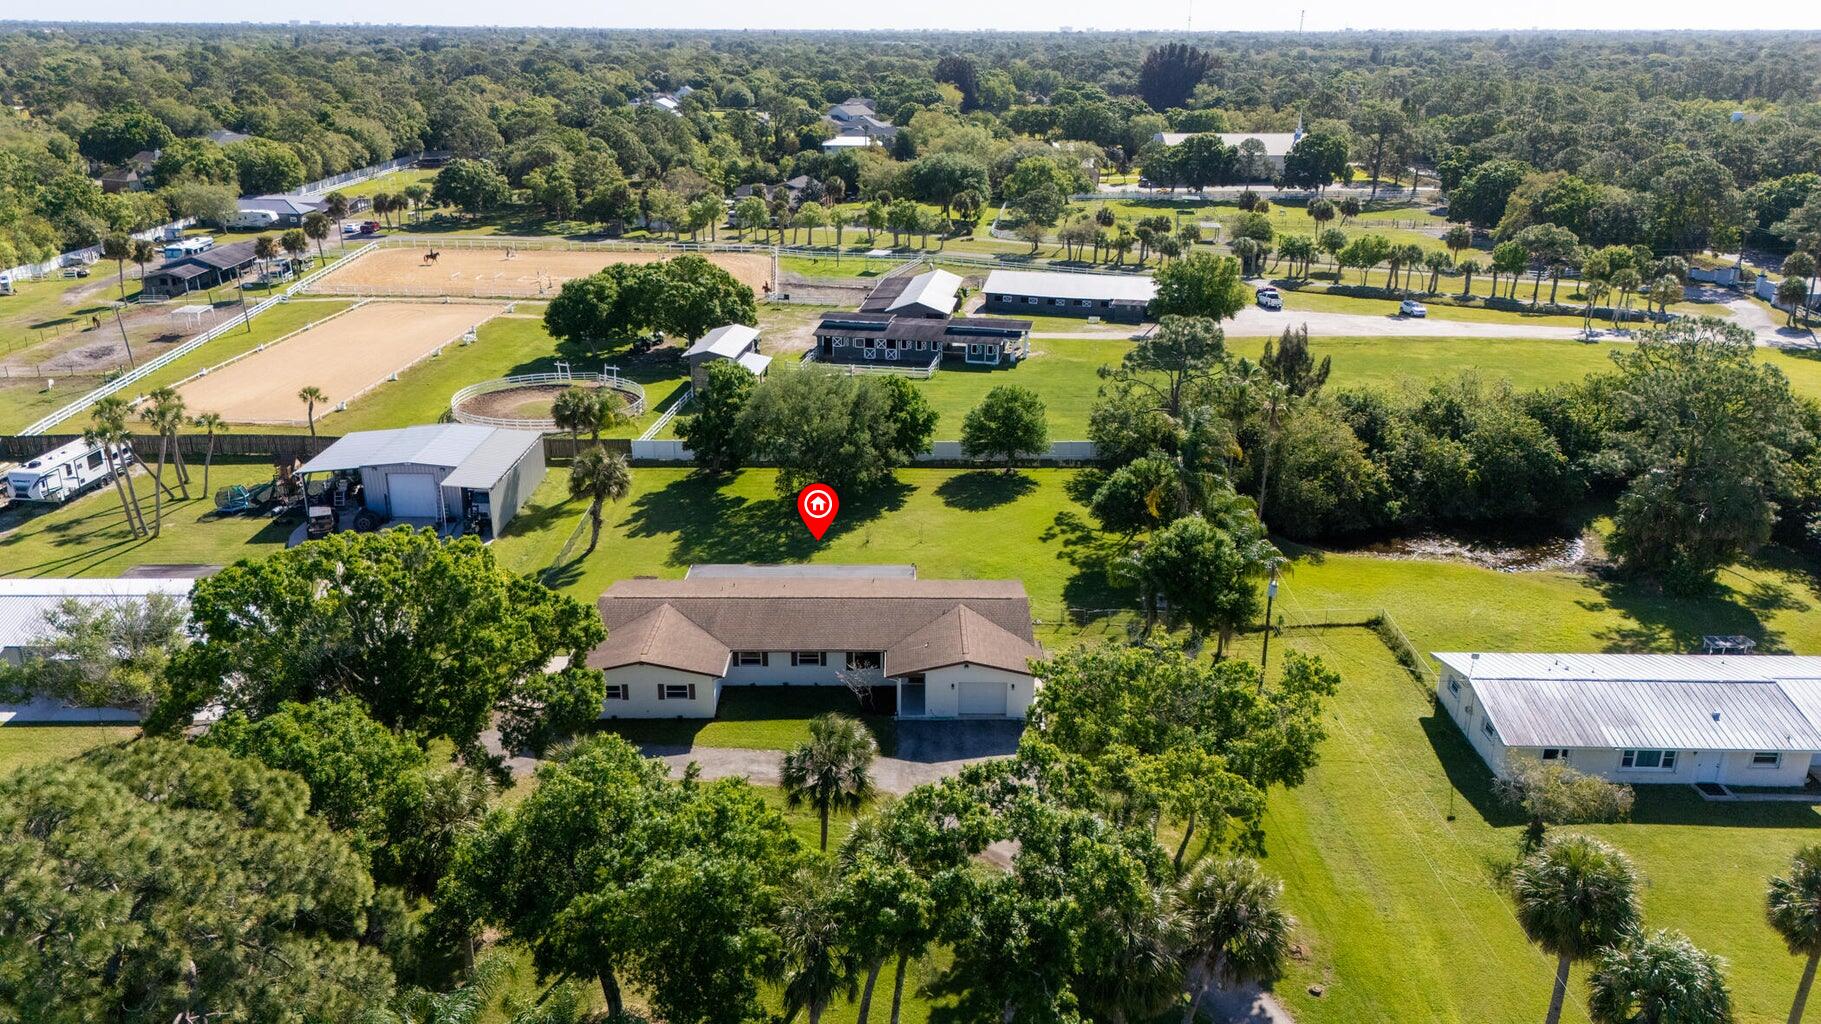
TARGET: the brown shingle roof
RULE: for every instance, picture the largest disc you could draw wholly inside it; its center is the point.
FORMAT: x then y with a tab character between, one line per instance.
661	636
821	613
960	636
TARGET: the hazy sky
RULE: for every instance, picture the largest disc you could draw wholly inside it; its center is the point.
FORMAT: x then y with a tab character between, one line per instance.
1321	15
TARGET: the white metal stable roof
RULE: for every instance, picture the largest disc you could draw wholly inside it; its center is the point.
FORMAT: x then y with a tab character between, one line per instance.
455	446
23	602
1628	714
932	288
1695	668
1051	285
727	341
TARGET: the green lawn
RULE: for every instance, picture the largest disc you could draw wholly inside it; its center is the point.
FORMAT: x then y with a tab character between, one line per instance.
389	183
1401	917
88	537
22	746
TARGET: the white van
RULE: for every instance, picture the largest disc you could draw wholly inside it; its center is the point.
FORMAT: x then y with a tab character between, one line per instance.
62	473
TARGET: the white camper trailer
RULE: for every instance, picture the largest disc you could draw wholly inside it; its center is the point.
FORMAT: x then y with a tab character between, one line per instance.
62	473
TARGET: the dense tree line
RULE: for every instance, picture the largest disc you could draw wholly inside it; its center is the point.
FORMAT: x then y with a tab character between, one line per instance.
1624	140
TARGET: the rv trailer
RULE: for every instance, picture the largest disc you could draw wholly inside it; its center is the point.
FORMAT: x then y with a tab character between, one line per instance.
64	472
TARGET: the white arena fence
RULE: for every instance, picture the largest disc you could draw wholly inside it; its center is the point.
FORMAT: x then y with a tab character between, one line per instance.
152	366
609	377
657	426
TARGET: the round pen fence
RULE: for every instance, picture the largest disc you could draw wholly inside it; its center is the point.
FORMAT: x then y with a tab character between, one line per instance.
490	402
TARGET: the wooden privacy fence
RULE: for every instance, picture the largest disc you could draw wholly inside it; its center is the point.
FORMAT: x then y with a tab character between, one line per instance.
21	447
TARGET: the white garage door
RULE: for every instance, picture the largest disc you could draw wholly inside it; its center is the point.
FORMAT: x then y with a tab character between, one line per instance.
414	495
982	699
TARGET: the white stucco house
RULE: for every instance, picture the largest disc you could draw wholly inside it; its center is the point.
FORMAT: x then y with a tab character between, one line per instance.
930	648
1731	719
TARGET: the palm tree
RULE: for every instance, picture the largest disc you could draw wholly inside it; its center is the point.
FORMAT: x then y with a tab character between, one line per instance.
164	414
265	250
570	412
118	248
599	476
109	431
466	1004
294	242
832	771
310	396
1468	268
211	424
143	252
1234	929
336	206
1575	896
417	195
1793	906
1658	978
316	228
822	967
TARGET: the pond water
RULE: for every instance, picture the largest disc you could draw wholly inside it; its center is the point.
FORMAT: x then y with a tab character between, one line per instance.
1506	554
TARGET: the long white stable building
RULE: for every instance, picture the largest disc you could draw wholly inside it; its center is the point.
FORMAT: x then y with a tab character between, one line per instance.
1731	719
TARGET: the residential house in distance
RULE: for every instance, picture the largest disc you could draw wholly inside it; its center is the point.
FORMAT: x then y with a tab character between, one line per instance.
199	271
132	174
447	475
735	343
1277	144
857	124
925	648
1712	720
1123	298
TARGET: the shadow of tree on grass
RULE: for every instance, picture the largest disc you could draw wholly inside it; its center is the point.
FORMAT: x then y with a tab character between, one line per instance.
981	490
710	525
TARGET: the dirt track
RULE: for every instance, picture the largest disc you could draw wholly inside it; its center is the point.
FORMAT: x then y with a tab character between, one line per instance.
342	356
530	273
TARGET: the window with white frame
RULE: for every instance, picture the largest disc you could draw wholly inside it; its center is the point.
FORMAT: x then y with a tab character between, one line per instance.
1653	760
1031	300
618	691
809	657
840	342
1486	726
1555	753
1454	687
1767	759
749	657
676	691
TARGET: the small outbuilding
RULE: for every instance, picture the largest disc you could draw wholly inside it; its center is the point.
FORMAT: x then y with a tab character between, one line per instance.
453	476
932	294
735	343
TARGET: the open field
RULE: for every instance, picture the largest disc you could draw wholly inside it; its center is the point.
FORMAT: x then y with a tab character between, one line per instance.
22	746
344	357
487	273
1400	913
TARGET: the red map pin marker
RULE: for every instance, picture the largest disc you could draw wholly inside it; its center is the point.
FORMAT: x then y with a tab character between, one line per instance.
817	504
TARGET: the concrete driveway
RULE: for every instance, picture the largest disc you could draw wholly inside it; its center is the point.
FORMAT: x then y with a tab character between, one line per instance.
927	752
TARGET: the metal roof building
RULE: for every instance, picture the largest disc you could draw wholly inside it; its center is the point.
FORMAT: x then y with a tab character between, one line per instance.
436	474
24	602
1706	719
1123	297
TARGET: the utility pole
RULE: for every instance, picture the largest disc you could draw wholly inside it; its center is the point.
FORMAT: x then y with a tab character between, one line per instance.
1300	15
123	338
1270	599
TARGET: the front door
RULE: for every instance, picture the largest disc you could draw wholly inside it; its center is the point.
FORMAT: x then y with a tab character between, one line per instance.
1707	766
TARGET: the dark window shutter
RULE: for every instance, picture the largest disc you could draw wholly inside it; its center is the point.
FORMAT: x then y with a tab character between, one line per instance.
764	659
660	691
692	691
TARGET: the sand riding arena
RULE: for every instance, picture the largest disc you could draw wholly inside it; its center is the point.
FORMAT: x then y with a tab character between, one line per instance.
497	271
524	402
345	355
